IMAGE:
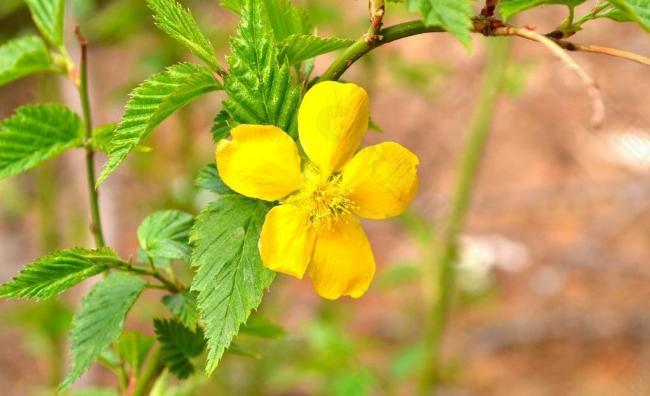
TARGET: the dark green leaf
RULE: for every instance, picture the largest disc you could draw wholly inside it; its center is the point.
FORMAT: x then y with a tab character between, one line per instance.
208	179
177	345
184	307
23	56
455	16
48	17
299	48
165	234
230	278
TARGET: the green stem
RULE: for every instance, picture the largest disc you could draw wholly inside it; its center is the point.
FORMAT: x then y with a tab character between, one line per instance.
445	256
150	372
96	225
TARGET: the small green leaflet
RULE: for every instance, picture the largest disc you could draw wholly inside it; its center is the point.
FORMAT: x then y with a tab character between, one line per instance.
260	90
132	348
301	47
178	345
637	10
23	56
35	134
184	308
152	102
208	179
229	278
508	8
57	272
48	17
179	24
260	327
165	234
285	18
455	16
100	319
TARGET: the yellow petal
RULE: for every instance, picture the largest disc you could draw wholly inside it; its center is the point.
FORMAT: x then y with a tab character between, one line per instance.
382	180
332	120
261	161
342	263
287	241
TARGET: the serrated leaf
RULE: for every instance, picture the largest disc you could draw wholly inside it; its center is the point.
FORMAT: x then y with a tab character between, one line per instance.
177	345
133	348
165	234
285	19
36	133
184	307
152	102
23	56
48	17
57	272
180	25
455	16
229	278
209	179
299	48
260	89
508	8
637	10
100	319
260	327
232	5
221	125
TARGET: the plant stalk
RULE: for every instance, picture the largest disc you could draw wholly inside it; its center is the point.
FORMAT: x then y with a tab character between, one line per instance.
149	374
447	240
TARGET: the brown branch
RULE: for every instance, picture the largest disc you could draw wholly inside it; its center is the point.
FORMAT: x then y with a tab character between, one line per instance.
598	49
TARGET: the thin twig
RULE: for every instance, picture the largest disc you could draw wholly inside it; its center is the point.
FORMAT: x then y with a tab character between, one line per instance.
598	49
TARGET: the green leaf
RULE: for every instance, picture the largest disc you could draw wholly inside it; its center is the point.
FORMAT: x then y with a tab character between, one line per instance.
180	25
230	278
23	56
100	319
260	89
301	47
261	327
177	345
237	349
165	234
36	133
221	125
637	10
209	179
57	272
455	16
232	5
133	349
184	307
508	8
48	17
152	102
284	18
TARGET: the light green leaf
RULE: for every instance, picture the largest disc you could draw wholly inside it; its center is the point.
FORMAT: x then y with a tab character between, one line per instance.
301	47
152	102
637	10
285	18
239	350
508	8
180	25
48	17
100	319
455	16
57	272
260	90
184	307
209	179
260	327
232	5
229	278
165	234
23	56
36	133
178	345
133	349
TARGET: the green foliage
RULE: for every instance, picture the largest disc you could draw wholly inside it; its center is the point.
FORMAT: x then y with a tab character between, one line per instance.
259	87
165	234
36	133
264	328
48	17
178	345
133	348
209	179
152	102
636	10
300	47
284	18
455	16
230	278
100	319
221	126
57	272
508	8
184	307
23	56
179	24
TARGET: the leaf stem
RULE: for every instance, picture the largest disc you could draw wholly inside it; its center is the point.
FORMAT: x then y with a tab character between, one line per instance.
150	373
447	241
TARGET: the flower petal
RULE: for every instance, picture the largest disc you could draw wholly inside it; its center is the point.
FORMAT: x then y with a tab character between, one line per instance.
382	180
332	120
342	263
261	161
287	241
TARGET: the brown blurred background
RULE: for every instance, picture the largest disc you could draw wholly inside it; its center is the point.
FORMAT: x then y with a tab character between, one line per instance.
554	283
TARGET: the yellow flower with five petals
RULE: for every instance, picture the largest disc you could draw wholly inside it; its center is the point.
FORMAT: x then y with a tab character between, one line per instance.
315	230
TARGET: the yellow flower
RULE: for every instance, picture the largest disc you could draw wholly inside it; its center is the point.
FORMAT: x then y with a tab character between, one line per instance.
314	230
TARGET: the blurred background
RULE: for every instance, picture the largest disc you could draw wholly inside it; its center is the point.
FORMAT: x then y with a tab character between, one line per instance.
554	281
